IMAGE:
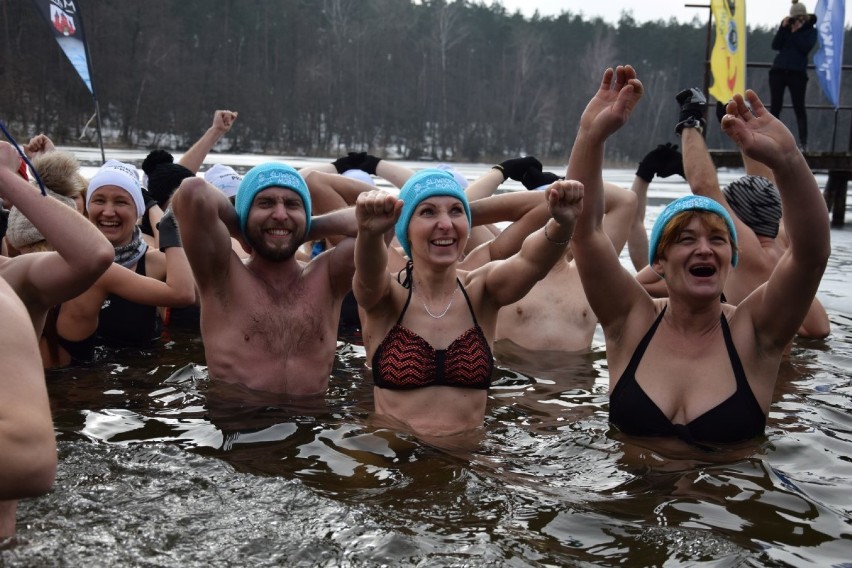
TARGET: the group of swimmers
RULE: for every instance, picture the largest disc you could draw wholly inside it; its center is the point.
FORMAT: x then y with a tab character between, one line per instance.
691	356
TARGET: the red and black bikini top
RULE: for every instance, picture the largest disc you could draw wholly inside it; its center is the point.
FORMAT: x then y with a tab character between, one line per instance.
404	360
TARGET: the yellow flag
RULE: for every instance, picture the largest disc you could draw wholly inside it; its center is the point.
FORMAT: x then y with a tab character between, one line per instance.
728	60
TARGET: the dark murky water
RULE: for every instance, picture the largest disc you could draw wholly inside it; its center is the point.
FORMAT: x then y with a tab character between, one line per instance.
158	467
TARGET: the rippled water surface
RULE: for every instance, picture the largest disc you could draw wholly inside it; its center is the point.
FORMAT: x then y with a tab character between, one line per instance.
159	467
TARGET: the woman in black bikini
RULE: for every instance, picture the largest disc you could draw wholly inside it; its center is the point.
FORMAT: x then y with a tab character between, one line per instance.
689	366
431	323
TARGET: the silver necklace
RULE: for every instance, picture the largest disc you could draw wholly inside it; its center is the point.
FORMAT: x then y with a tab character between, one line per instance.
447	309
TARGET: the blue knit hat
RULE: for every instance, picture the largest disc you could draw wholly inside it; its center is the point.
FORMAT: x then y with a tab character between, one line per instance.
690	203
420	186
271	174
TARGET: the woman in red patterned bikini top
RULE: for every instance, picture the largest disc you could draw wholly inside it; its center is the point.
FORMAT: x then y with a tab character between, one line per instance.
432	325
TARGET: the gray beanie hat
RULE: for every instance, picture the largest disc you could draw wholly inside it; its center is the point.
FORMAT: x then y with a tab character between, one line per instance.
757	203
798	9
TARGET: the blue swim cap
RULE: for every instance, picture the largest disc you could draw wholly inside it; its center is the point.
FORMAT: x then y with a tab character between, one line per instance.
420	186
271	174
690	203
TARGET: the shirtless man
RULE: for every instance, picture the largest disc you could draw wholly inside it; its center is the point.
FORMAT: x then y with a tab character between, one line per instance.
555	314
269	323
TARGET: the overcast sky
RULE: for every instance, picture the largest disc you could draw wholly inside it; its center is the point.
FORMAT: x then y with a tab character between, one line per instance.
762	13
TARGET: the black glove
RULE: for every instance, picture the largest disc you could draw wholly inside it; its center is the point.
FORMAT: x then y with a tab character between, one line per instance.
693	105
672	164
369	164
534	179
169	234
148	199
664	160
349	162
515	168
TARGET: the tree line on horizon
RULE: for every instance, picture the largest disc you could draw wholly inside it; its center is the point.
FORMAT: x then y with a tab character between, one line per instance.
462	80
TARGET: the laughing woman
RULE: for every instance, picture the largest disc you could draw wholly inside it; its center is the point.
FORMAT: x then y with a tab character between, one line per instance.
690	367
120	308
429	328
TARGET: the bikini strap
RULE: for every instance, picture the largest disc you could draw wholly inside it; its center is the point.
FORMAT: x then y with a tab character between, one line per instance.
405	307
736	364
467	299
409	268
643	345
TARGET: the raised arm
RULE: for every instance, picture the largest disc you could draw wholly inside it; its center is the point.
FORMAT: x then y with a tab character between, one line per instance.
38	144
507	281
663	161
82	252
335	225
527	211
483	232
779	306
177	291
377	212
396	174
637	241
610	289
207	220
330	191
619	210
223	120
484	186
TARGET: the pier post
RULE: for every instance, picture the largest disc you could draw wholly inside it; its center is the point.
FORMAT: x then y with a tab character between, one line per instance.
835	196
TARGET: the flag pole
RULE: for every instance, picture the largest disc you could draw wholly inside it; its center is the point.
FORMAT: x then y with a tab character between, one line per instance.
92	82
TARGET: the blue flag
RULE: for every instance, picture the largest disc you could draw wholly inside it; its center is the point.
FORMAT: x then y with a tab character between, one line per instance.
63	17
828	59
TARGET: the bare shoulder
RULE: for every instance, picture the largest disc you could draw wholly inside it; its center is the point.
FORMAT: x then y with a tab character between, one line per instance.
336	265
475	283
624	338
384	315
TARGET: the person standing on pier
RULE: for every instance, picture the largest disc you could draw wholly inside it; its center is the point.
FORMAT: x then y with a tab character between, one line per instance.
794	40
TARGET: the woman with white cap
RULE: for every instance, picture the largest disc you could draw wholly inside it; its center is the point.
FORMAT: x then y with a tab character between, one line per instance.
690	367
428	329
120	308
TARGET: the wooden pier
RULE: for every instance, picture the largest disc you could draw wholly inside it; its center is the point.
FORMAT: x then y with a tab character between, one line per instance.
838	166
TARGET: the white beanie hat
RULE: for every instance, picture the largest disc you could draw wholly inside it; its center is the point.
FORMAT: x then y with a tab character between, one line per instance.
122	175
460	179
360	175
224	178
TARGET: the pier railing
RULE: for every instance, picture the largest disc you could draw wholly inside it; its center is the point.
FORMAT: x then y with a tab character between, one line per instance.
838	165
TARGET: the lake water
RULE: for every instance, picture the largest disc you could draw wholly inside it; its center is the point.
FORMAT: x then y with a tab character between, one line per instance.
158	467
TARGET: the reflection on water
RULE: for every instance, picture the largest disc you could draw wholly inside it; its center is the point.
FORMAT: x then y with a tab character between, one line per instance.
159	467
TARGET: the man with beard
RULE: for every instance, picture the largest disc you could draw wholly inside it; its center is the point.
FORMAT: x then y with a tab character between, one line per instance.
268	323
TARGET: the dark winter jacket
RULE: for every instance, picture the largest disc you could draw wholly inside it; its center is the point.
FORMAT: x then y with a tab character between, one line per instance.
794	47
